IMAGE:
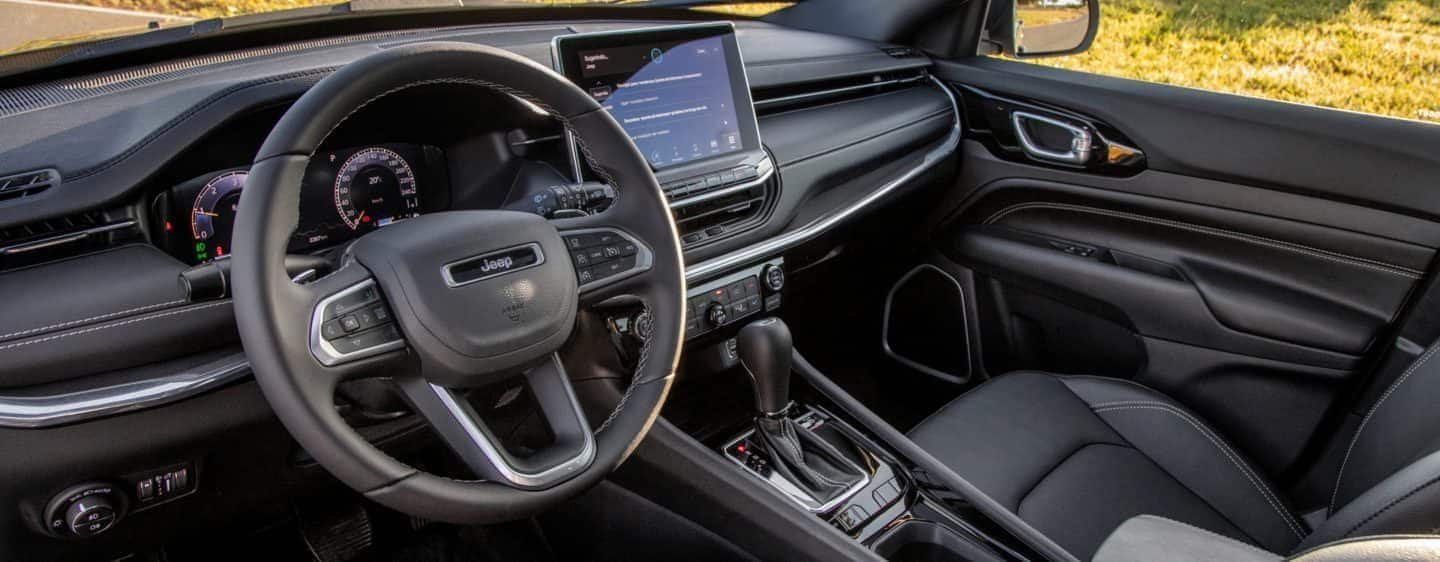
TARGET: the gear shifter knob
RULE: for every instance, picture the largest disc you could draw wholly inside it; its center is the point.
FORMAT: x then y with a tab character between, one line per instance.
764	348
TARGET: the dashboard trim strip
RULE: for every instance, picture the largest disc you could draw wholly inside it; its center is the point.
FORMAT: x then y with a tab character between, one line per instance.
68	407
716	266
835	91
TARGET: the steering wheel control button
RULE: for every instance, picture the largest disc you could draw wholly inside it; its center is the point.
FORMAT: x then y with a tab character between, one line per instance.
367	339
354	322
603	254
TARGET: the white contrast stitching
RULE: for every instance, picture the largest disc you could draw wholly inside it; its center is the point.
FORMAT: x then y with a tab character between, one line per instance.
1330	509
91	319
1214	440
634	379
115	325
1326	255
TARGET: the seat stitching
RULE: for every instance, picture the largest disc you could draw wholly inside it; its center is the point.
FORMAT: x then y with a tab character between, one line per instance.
1214	440
115	325
1328	255
1339	477
92	319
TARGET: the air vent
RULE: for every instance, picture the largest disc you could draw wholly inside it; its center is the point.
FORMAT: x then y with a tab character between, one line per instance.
27	184
62	237
771	100
725	216
900	52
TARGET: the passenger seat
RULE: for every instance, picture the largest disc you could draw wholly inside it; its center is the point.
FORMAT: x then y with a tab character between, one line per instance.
1077	456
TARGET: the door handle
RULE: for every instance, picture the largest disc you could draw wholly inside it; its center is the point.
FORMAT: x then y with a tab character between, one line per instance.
1081	141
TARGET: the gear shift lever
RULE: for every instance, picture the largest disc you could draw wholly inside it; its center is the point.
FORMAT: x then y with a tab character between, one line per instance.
764	347
804	458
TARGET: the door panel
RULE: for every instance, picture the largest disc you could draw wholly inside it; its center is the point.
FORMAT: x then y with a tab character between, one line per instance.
1250	264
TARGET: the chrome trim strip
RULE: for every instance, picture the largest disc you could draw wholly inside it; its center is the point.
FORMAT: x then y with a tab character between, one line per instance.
715	266
834	91
528	480
69	407
765	167
66	238
445	270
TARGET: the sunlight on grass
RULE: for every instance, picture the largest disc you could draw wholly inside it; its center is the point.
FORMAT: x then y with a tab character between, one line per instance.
1375	56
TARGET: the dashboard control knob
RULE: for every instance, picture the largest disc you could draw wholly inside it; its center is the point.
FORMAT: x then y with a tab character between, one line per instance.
716	314
84	510
91	515
774	278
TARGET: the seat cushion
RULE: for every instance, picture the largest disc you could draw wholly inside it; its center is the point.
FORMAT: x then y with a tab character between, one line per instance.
1077	456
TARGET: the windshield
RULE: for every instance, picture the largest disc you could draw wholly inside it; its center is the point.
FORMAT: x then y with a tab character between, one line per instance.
27	25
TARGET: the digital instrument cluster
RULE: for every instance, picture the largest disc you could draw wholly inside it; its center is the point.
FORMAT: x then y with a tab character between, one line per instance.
346	192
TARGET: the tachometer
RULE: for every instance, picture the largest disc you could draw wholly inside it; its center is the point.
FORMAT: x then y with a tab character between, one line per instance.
212	215
375	187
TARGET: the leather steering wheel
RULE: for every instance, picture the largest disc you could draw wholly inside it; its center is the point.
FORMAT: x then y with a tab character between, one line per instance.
456	299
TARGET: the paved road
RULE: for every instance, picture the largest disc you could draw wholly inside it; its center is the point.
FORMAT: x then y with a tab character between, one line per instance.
23	21
1059	36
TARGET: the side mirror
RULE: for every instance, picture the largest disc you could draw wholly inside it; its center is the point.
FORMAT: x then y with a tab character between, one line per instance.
1043	28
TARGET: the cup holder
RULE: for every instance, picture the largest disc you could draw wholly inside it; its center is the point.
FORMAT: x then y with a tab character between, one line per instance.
925	541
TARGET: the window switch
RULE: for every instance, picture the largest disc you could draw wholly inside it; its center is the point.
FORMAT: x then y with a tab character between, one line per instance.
145	489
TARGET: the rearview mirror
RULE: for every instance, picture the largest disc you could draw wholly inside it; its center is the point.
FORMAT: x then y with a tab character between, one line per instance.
1044	28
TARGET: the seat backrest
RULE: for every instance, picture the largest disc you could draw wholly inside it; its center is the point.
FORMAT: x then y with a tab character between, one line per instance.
1388	479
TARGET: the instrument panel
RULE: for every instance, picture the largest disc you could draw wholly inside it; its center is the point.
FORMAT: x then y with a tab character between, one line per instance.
346	193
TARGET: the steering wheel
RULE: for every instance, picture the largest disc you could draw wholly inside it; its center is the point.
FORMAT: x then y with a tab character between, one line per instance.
454	300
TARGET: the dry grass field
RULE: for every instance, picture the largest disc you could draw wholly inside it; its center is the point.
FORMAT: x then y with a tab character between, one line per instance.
1375	56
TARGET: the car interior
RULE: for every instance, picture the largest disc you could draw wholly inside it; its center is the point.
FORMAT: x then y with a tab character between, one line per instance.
846	281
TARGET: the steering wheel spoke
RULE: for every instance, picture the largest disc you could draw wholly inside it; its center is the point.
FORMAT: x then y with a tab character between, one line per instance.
461	427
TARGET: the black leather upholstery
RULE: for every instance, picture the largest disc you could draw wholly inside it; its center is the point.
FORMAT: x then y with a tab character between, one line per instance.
1076	456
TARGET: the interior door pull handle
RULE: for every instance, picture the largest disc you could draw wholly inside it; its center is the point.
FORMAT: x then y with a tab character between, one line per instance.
1081	141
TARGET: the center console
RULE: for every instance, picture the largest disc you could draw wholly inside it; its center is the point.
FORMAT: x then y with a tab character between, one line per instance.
681	94
837	472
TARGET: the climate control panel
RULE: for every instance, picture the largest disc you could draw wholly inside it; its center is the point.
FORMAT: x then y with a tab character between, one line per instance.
735	297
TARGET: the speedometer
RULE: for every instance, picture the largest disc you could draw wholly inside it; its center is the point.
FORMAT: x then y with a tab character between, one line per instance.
375	187
212	215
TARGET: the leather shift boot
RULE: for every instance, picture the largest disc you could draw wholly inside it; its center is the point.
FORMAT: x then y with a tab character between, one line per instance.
807	460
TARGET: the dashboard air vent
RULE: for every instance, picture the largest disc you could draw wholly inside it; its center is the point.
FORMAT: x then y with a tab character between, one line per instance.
773	100
29	183
62	237
900	52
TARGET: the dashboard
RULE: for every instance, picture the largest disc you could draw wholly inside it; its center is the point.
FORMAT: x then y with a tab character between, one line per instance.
759	156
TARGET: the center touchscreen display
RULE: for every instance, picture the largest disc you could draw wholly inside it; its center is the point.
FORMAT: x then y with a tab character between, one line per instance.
680	99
